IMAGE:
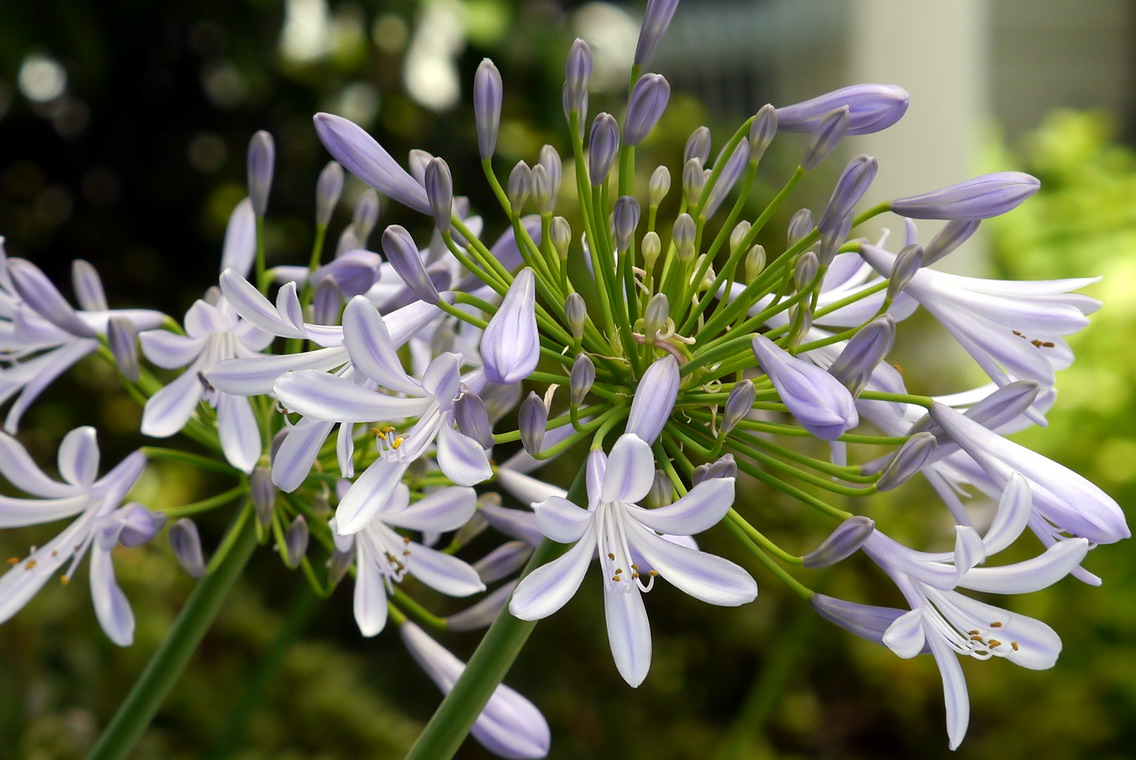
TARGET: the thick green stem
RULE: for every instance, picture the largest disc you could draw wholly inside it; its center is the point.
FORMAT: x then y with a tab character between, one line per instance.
138	709
486	669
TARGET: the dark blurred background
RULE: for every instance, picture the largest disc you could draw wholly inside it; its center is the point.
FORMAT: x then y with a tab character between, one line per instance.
123	128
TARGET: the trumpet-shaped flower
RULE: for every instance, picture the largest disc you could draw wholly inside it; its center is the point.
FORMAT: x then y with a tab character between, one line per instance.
101	525
621	531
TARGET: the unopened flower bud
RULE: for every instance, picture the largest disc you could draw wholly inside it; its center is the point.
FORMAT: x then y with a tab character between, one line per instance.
416	162
520	186
867	348
725	467
122	336
727	178
662	490
656	19
822	405
651	247
658	186
850	188
683	235
648	101
577	313
626	218
404	258
842	543
577	74
296	541
978	198
329	187
263	493
326	302
871	108
738	404
655	315
366	216
738	234
805	270
603	145
952	235
754	262
907	461
907	262
440	192
560	232
581	378
487	94
473	419
693	180
829	132
800	225
532	420
542	193
186	543
762	132
88	286
484	612
654	399
340	562
832	239
261	158
510	345
550	160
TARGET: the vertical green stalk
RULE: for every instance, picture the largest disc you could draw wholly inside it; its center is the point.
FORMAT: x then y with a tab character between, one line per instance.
138	709
487	667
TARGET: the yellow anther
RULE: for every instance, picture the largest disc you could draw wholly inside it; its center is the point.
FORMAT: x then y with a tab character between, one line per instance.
635	576
615	578
618	570
634	567
396	443
994	643
13	560
972	633
977	638
610	555
30	564
995	625
652	573
1014	644
64	579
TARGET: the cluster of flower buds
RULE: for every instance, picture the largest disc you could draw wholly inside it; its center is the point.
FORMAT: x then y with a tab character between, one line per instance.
384	385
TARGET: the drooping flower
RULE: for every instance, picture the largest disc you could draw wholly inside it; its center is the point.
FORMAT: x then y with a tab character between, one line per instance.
620	531
101	525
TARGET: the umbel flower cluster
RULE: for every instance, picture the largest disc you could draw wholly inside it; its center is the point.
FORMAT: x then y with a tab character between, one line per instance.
671	353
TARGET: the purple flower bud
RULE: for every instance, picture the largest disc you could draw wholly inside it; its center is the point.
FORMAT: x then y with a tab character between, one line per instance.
658	186
186	543
532	420
326	303
353	272
473	419
832	239
365	217
949	238
724	467
340	561
697	146
762	132
560	233
842	543
978	198
656	19
800	225
503	561
850	188
88	286
329	187
655	315
682	235
296	542
871	343
865	620
603	144
440	191
122	336
403	256
648	101
576	312
819	402
580	379
729	176
263	494
805	270
238	250
542	194
907	461
626	217
416	161
366	159
554	169
1006	404
484	612
487	94
693	180
662	490
871	108
135	525
577	74
42	297
261	158
907	262
654	399
754	262
520	186
738	404
827	135
510	345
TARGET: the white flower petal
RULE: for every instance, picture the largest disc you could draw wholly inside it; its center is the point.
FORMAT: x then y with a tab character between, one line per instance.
561	520
111	606
335	399
240	433
169	350
954	691
461	458
251	304
22	472
255	376
702	508
368	495
372	351
1032	574
442	572
370	599
440	511
167	411
704	576
16	513
630	471
549	587
628	630
298	452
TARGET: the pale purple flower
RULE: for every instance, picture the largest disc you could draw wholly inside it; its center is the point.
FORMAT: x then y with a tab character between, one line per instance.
871	108
100	525
603	145
656	19
978	198
487	93
620	531
731	173
654	399
509	726
817	399
261	161
213	333
648	101
510	346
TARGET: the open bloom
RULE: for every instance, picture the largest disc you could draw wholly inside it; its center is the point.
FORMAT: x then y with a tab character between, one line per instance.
623	533
100	526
